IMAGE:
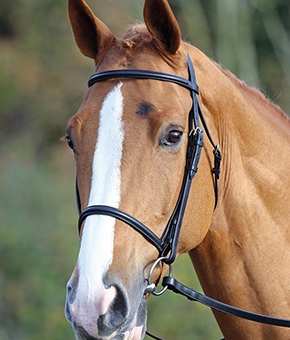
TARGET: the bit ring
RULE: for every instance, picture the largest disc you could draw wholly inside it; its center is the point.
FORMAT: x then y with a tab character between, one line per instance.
151	287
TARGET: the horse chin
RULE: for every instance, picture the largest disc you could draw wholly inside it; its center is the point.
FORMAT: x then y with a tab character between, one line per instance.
136	333
136	330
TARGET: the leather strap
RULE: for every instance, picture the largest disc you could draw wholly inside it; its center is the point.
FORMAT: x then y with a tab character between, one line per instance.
124	217
143	74
191	294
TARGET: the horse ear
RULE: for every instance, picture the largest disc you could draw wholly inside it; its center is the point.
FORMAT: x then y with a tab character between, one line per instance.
91	34
161	23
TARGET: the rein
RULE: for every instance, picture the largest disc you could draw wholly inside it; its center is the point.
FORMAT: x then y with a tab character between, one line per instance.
167	243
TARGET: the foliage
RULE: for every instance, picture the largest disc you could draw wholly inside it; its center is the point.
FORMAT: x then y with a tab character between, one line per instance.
38	247
42	80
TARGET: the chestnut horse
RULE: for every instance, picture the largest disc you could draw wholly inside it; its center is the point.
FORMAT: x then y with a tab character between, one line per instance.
130	139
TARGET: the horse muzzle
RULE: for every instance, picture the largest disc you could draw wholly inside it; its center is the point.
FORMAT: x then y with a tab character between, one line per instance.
106	312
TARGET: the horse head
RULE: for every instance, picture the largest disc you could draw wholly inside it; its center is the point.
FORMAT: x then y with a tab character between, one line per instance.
130	139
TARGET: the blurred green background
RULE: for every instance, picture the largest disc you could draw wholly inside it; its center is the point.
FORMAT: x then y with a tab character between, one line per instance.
43	77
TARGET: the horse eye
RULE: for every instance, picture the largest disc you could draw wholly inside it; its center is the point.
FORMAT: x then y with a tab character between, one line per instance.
70	142
172	138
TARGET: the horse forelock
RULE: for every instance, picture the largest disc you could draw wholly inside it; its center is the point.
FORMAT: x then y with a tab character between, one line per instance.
136	35
136	38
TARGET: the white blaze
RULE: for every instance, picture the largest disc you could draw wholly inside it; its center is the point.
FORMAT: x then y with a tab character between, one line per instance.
96	251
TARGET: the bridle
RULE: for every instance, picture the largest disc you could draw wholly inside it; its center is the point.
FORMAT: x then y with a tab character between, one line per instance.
167	243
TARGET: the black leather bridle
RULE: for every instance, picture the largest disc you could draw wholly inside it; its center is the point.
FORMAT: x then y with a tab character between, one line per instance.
167	243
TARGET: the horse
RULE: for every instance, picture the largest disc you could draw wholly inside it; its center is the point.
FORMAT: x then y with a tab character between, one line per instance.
130	139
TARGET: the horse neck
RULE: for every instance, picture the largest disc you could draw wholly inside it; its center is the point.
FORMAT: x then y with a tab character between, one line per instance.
243	260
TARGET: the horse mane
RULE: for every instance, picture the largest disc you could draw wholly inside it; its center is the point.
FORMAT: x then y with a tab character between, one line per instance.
254	93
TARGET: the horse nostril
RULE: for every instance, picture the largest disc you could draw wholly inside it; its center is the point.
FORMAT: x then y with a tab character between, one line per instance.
116	315
71	293
120	307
